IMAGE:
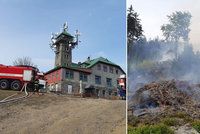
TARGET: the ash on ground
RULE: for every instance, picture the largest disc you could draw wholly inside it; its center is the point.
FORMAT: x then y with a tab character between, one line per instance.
164	98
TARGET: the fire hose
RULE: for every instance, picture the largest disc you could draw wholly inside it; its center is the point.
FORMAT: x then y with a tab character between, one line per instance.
18	98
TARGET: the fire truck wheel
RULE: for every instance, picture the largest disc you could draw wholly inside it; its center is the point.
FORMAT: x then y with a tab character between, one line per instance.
15	85
4	84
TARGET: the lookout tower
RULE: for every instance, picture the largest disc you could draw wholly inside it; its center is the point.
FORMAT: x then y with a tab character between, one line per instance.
62	44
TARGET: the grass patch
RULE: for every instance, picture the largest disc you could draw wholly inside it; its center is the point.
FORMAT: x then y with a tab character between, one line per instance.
170	121
151	129
196	125
182	115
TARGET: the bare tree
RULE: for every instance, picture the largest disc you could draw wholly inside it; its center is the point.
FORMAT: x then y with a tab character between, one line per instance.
25	61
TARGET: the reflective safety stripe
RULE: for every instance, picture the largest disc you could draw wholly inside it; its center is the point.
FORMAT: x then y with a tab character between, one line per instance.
9	74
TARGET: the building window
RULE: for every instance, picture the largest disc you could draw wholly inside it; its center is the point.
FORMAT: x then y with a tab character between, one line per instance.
116	71
97	79
115	93
83	77
109	82
69	74
111	69
105	69
66	56
99	67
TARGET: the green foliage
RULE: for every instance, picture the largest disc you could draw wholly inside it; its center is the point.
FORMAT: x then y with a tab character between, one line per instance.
145	50
178	26
180	115
170	121
134	30
196	125
152	129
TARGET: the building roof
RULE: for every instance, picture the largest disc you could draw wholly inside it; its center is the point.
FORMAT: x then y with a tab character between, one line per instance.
85	70
75	65
86	66
91	63
65	33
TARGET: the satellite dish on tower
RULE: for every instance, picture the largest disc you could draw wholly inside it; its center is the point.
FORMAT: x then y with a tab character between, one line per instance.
72	43
65	27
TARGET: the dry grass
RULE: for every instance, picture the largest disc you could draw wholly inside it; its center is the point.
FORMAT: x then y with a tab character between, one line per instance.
58	114
6	93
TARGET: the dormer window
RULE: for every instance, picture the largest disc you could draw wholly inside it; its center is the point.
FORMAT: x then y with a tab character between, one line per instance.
117	71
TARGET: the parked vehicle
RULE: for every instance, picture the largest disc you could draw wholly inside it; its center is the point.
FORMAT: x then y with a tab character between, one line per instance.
14	77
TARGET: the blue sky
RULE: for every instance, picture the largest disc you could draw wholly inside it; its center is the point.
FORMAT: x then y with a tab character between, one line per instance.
26	26
153	14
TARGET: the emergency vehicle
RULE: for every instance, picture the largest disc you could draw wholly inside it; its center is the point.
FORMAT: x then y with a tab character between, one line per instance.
14	77
122	86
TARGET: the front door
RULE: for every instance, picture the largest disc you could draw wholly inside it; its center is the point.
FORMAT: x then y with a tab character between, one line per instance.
69	88
56	87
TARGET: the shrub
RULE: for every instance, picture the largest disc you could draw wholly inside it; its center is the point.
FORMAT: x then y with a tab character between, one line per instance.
196	125
180	115
170	121
152	129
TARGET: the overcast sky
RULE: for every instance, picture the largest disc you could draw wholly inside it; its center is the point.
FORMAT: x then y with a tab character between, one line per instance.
153	14
26	26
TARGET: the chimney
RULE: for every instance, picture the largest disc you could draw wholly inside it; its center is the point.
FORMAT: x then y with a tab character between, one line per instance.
88	58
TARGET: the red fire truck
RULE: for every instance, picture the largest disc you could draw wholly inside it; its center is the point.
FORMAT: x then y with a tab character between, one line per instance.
14	77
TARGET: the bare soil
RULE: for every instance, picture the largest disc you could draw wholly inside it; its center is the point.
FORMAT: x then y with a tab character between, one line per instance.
60	114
